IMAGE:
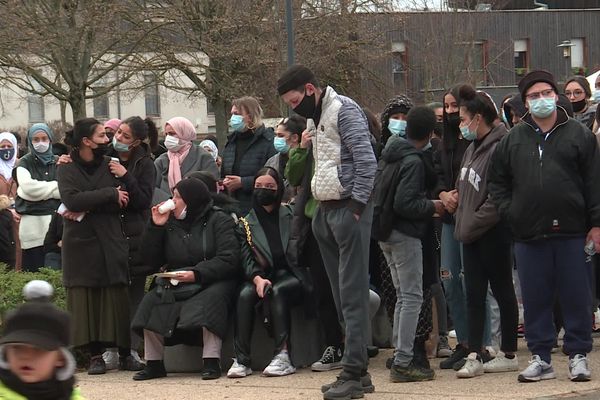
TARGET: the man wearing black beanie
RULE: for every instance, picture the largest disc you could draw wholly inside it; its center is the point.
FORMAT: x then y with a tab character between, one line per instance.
543	179
342	184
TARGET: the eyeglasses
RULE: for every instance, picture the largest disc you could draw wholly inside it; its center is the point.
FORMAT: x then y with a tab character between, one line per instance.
574	93
537	95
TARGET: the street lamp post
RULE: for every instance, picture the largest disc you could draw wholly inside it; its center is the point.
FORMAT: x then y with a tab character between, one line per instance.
289	24
566	49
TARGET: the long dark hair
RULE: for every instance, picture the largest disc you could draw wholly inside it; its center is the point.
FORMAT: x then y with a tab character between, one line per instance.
83	128
451	133
143	129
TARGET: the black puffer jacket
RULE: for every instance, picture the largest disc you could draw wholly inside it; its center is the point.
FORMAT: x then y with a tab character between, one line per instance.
401	174
258	152
207	245
547	185
139	183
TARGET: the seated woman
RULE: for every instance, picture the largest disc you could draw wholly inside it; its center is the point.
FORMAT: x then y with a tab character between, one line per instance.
271	279
200	244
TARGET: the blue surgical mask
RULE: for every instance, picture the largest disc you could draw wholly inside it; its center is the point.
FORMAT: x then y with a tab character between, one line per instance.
120	147
467	133
397	127
236	122
281	145
542	107
597	96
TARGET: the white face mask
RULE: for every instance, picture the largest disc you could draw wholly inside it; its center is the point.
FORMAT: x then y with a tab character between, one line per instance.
182	215
41	147
172	143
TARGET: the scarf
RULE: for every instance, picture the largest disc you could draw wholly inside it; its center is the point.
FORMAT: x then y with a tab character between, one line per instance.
52	389
214	152
46	157
185	132
6	167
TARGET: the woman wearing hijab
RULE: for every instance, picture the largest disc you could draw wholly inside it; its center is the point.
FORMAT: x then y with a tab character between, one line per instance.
198	243
94	247
181	158
37	195
8	188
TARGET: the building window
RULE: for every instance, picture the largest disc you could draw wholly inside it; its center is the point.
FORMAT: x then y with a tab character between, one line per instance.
35	104
578	59
101	109
152	96
474	61
210	108
399	67
521	58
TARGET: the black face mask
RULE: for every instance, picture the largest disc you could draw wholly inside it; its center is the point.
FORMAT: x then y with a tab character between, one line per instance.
7	154
100	150
578	106
438	129
265	197
306	108
454	119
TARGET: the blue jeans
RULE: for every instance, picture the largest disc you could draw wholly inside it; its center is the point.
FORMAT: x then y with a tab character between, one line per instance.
451	272
405	261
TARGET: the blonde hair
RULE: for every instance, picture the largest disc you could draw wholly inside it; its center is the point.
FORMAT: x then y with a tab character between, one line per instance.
4	202
252	107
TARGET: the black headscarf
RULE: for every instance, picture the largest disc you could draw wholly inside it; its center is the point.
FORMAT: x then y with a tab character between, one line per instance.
196	196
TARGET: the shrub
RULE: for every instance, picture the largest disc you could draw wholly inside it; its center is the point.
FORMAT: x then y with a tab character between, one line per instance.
12	282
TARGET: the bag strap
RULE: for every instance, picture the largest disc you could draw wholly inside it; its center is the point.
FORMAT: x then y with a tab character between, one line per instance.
248	232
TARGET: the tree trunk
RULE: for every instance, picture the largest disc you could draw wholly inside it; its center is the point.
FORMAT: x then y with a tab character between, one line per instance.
221	121
77	103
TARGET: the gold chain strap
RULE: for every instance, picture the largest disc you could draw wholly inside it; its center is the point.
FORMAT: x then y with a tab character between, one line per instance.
247	229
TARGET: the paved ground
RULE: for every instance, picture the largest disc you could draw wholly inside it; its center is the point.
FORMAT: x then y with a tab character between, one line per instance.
306	385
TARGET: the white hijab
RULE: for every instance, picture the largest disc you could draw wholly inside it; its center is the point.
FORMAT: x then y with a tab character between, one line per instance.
6	167
211	145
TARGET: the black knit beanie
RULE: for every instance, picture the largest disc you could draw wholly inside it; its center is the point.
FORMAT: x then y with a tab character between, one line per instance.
195	194
294	77
534	77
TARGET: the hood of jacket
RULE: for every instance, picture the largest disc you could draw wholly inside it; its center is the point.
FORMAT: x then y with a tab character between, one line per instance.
398	148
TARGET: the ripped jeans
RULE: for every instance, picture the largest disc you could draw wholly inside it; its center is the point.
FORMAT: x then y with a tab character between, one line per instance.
451	274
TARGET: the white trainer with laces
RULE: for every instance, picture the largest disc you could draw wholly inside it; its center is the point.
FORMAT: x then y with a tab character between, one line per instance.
111	358
501	364
473	367
281	365
578	369
238	370
538	370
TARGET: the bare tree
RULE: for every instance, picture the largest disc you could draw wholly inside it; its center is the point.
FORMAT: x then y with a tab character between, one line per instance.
72	49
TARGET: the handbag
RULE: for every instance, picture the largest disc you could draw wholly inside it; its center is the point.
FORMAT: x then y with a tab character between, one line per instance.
182	291
262	261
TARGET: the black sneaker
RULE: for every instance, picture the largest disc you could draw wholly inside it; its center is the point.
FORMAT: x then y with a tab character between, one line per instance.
411	373
97	366
344	388
331	359
129	363
389	362
459	353
365	381
154	369
211	369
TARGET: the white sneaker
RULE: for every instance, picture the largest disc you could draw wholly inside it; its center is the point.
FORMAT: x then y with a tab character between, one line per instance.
578	369
538	370
501	364
473	367
238	370
280	365
452	334
111	358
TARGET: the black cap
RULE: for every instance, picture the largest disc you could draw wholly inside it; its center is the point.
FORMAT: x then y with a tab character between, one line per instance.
534	77
38	324
293	78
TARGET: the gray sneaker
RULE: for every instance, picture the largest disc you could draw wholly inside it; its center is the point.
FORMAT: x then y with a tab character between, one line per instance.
443	348
578	369
365	381
538	370
344	389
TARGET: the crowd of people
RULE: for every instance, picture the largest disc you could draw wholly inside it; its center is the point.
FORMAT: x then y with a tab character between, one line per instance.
454	212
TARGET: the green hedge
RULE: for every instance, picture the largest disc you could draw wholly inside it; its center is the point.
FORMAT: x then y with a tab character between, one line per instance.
12	283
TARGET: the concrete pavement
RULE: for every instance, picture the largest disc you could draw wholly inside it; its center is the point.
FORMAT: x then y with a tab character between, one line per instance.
306	385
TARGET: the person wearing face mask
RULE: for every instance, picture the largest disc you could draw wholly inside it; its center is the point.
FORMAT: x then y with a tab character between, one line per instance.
197	242
486	240
270	279
579	93
132	144
111	127
393	118
287	137
37	195
182	157
342	183
248	148
94	247
543	180
8	187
